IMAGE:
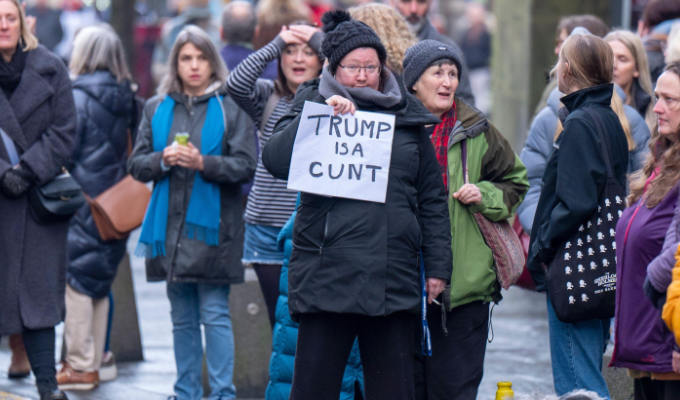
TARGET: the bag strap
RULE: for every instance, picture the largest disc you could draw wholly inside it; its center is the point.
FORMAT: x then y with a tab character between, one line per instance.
463	158
9	146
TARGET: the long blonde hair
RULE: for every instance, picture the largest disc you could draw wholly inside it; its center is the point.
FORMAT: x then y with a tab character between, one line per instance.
27	39
634	44
390	27
664	153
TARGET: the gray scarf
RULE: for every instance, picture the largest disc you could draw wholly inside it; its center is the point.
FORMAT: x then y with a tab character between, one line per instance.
389	97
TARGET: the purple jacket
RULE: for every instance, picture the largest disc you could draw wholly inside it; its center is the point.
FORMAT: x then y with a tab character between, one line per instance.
659	270
642	340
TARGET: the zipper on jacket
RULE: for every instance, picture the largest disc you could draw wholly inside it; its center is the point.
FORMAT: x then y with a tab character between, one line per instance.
325	232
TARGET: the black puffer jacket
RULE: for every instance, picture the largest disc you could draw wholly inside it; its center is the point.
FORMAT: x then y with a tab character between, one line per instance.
104	110
361	257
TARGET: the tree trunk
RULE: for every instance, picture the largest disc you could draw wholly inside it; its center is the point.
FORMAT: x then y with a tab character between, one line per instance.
123	21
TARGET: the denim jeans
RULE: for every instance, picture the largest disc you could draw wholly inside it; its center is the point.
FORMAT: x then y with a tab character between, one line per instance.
576	351
193	304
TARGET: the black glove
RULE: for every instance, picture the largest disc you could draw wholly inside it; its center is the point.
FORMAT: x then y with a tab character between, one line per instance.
657	298
16	181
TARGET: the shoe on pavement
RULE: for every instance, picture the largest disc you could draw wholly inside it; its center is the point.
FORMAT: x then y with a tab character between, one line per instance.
108	370
19	366
55	395
70	379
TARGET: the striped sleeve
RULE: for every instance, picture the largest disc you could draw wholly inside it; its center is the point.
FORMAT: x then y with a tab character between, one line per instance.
249	92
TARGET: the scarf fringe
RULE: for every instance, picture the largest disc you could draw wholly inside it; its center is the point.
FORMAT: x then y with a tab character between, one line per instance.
208	235
150	250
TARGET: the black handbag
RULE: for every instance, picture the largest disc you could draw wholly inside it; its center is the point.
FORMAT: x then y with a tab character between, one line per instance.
581	279
56	200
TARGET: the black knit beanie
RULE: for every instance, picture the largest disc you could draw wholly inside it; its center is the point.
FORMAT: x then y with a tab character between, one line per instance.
344	34
422	55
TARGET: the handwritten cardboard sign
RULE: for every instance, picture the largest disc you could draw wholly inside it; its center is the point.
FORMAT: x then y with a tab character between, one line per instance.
342	156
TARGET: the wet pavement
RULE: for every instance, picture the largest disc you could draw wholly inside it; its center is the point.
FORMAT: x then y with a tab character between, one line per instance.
518	353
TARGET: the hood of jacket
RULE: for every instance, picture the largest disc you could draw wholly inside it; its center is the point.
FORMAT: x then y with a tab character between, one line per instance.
470	122
114	96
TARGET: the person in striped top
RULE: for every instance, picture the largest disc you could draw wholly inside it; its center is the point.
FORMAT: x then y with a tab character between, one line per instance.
270	204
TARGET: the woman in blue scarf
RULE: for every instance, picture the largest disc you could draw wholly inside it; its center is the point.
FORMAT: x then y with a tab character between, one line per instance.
193	228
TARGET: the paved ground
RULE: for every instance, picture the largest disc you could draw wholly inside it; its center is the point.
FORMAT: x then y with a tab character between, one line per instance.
519	351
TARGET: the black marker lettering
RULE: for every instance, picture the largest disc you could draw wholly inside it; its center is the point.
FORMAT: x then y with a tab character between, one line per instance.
330	171
335	121
373	168
318	121
382	127
311	169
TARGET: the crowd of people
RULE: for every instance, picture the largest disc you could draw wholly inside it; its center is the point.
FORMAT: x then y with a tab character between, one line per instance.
396	295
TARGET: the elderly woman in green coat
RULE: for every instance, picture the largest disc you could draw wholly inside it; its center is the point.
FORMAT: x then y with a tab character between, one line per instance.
483	175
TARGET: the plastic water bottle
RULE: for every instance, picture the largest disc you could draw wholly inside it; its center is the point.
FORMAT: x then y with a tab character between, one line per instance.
504	391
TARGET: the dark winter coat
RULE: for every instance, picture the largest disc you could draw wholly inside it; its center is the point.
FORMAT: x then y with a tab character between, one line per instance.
285	334
575	175
539	145
361	257
104	114
40	119
189	260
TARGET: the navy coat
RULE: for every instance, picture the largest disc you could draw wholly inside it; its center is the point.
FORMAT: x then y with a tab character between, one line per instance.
104	114
40	119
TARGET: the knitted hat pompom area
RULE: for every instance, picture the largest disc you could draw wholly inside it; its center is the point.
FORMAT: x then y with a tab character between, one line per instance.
344	34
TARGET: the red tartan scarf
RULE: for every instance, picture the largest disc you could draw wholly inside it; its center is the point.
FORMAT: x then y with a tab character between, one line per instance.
440	140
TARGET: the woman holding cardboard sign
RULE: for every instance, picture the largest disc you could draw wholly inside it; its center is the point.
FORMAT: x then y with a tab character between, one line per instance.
493	184
354	270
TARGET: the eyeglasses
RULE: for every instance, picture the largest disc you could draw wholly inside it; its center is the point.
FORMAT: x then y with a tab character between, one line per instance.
355	69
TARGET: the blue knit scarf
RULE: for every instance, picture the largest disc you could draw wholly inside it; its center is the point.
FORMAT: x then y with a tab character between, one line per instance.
203	214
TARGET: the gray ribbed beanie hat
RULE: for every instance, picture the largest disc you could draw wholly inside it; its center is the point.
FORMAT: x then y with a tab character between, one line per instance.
422	55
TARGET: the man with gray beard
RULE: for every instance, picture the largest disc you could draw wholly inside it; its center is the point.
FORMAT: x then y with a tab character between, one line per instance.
415	13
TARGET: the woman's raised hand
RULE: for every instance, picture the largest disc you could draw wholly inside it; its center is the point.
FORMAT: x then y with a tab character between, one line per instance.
289	36
303	32
341	105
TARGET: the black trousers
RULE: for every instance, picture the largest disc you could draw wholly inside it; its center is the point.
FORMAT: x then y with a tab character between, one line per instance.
456	366
651	389
268	277
386	345
39	344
